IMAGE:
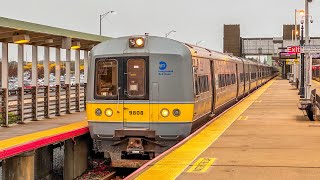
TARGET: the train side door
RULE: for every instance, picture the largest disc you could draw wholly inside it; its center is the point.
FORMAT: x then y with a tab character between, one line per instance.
237	80
136	104
213	86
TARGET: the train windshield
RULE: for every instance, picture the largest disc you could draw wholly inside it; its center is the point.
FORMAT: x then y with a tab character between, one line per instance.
106	78
136	77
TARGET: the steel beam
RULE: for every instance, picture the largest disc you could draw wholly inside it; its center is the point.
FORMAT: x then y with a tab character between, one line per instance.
67	80
46	67
58	83
34	83
4	83
86	59
20	83
77	76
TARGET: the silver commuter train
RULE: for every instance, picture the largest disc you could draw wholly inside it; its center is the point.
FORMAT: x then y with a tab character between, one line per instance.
144	92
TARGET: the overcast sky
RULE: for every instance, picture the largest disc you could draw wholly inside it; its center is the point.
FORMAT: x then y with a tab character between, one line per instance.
194	20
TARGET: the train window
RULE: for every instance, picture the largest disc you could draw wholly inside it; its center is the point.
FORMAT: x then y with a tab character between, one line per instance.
223	84
221	80
233	78
106	77
253	75
241	77
203	83
136	77
195	81
226	79
200	82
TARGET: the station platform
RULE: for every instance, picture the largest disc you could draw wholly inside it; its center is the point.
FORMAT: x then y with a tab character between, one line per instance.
22	138
265	136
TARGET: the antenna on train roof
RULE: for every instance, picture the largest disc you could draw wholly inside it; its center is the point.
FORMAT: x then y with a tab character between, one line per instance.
146	34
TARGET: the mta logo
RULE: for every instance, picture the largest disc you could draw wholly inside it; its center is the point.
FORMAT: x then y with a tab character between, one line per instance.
162	65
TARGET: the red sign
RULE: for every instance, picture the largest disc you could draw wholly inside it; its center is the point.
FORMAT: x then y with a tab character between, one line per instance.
293	49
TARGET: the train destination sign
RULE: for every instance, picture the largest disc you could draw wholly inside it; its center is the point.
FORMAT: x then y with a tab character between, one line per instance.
293	49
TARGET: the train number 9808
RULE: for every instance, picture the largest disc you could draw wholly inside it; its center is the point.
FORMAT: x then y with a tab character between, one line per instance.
138	113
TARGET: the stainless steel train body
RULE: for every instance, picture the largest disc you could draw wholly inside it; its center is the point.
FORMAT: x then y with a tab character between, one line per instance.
143	90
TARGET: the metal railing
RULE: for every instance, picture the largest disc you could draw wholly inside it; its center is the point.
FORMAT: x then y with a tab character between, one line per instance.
18	106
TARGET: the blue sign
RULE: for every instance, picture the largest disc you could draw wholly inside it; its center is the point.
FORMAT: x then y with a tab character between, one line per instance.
163	69
162	65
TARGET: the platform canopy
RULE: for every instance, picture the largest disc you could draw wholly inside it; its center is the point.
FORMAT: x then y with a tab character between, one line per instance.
12	31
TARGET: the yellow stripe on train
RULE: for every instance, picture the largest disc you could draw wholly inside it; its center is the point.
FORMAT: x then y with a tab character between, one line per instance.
140	112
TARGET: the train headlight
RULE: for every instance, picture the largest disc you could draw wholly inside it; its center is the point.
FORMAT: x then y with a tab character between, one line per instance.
136	42
108	112
164	112
98	112
176	112
139	42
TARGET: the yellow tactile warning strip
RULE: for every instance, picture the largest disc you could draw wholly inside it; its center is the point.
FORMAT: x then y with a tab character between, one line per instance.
12	142
202	165
173	164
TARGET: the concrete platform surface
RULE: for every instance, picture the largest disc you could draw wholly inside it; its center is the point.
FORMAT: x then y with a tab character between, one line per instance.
265	136
20	138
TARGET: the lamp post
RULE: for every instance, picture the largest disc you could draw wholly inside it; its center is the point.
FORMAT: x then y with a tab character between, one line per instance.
308	60
103	16
296	33
302	93
172	31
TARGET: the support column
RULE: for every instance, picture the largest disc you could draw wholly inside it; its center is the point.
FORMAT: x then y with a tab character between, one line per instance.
46	68
77	76
308	63
19	167
75	157
86	58
20	84
43	163
67	80
58	83
34	83
4	83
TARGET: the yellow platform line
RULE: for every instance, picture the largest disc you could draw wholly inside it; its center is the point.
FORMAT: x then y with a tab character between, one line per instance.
173	164
12	142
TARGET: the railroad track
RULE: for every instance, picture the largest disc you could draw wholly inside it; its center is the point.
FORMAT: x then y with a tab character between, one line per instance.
100	171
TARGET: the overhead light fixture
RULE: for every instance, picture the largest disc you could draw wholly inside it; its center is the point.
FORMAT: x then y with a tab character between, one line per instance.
76	45
136	42
21	39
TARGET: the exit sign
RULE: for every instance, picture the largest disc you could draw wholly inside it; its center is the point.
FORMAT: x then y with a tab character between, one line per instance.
293	49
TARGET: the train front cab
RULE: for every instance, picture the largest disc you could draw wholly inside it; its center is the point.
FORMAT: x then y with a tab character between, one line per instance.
137	92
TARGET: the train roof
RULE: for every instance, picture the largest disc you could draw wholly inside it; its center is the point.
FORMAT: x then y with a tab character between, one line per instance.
208	53
153	45
158	45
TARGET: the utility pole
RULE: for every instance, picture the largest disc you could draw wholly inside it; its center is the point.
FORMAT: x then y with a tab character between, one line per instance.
301	92
295	43
308	63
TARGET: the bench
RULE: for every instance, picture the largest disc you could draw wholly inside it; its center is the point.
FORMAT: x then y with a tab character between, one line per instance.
311	105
